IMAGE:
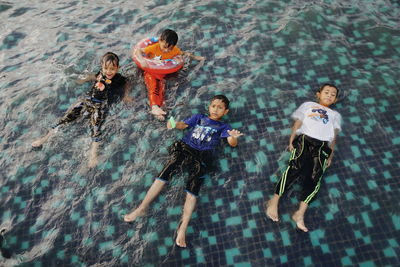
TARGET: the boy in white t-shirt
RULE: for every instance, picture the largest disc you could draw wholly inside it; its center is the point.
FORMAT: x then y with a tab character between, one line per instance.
311	144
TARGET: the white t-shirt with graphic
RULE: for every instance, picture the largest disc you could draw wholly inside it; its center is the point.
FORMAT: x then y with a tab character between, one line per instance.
318	121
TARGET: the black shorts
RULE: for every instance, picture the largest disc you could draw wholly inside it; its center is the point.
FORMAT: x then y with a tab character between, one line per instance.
96	110
308	162
196	162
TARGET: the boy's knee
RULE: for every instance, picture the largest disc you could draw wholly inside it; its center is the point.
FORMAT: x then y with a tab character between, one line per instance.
96	134
161	180
191	196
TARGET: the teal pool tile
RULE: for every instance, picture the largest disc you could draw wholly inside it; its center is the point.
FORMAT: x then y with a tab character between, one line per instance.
236	220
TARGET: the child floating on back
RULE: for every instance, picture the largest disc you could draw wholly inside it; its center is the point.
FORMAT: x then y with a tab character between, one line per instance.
311	144
95	103
195	152
165	48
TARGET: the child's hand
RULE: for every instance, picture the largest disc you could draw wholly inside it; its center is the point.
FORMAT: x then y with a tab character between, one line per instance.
171	123
235	133
100	86
144	64
290	147
232	138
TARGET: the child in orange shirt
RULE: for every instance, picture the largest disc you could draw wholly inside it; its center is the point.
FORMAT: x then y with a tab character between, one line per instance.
165	48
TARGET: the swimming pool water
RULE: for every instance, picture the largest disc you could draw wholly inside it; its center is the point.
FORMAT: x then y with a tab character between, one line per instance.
268	57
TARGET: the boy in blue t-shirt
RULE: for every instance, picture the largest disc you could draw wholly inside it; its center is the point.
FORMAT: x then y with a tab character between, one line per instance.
195	152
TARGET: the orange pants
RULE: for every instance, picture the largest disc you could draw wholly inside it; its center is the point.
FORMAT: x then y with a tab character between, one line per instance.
156	87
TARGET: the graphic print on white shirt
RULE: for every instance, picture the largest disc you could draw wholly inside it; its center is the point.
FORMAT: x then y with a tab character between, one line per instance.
317	121
319	114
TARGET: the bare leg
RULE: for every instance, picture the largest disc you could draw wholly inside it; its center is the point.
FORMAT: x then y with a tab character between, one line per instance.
153	192
298	216
272	208
188	208
93	155
39	142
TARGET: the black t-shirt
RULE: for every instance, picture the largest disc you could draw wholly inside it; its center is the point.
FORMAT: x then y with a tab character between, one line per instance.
111	92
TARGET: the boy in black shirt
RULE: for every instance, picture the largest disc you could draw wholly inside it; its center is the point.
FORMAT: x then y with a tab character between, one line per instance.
95	103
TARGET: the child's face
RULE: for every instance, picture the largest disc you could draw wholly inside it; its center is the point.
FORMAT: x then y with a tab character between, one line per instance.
217	109
164	46
109	69
327	96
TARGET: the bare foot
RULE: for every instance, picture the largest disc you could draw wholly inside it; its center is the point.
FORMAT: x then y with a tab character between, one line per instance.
181	237
39	142
159	117
134	214
299	220
156	111
272	211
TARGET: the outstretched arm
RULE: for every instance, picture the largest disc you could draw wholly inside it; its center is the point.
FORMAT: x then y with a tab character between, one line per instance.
138	53
332	146
188	54
88	78
178	125
233	136
296	126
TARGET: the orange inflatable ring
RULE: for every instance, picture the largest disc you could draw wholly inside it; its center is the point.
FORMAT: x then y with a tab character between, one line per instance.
157	66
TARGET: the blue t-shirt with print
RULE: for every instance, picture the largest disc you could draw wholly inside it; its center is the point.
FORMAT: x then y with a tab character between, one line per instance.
204	133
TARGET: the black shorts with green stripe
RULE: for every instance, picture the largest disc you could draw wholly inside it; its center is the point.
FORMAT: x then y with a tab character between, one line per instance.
307	163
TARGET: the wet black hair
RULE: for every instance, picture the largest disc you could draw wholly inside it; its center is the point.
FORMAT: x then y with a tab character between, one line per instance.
223	98
170	37
330	85
110	57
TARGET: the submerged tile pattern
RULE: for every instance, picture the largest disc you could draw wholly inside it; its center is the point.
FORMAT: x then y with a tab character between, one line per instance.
267	65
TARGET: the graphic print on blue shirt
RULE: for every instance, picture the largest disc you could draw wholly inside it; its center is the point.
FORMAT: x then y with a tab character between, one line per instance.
205	133
320	115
